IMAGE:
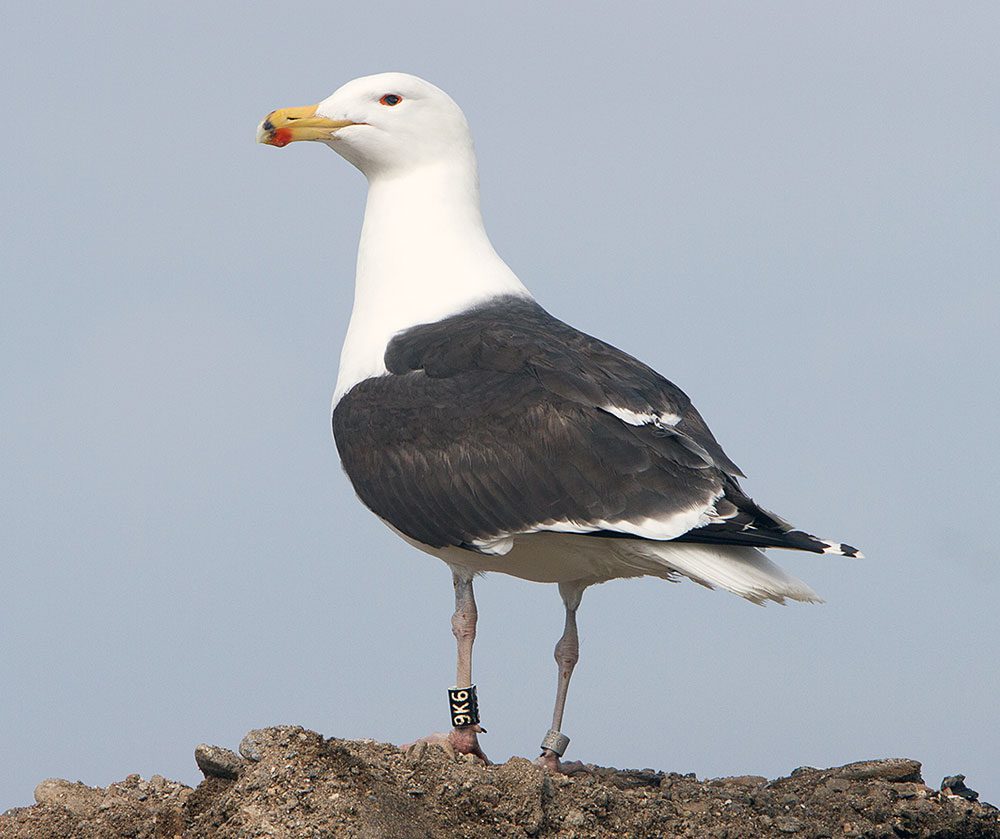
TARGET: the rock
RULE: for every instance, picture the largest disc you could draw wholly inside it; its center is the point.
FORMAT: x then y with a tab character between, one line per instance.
955	785
249	747
153	809
217	762
78	798
892	769
294	783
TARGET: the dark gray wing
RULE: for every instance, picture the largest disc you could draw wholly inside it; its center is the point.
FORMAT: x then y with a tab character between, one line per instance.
504	420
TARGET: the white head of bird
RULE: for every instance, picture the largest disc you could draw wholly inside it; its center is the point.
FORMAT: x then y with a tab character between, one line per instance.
386	124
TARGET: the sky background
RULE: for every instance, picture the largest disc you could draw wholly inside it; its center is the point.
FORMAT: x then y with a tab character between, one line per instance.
788	209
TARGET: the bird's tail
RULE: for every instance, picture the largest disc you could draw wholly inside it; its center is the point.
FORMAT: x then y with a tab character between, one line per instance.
741	570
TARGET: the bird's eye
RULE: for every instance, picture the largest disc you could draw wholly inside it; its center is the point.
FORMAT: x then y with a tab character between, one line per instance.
390	99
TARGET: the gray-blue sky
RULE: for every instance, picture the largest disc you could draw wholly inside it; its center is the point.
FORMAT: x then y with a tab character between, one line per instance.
789	210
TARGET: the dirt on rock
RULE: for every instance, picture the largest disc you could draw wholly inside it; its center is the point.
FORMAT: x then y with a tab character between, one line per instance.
290	783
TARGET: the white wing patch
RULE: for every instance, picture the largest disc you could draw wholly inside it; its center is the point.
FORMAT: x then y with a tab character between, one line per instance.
497	546
713	515
664	528
630	417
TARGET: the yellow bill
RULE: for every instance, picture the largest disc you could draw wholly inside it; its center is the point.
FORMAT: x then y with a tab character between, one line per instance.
286	125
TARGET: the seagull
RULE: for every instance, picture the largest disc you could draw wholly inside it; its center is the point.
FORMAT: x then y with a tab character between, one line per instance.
491	435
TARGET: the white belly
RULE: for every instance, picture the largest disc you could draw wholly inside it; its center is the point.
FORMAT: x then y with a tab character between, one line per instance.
547	557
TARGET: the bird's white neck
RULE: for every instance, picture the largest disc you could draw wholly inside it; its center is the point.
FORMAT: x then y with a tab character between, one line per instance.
424	255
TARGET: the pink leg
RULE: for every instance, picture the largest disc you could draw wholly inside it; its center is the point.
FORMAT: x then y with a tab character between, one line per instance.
461	739
463	627
567	654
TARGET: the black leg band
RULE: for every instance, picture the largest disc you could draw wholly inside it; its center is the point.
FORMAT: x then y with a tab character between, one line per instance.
463	705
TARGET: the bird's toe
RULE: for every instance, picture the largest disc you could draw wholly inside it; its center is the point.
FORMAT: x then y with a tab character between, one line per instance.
461	741
548	759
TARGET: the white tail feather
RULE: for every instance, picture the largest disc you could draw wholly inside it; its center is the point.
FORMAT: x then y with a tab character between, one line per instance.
743	571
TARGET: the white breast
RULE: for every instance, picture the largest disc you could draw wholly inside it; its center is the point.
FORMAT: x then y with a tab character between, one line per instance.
424	255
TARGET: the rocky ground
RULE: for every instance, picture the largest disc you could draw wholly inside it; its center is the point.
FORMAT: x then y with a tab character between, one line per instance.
290	783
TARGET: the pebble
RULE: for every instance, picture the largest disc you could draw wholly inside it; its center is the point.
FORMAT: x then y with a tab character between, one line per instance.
787	824
416	752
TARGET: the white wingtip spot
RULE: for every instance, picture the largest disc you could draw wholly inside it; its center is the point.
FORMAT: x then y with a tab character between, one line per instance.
840	549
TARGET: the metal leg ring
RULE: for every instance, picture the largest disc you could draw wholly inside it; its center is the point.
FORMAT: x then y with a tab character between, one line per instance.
555	741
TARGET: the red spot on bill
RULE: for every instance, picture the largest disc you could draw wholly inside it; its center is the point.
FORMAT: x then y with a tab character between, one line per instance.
281	137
